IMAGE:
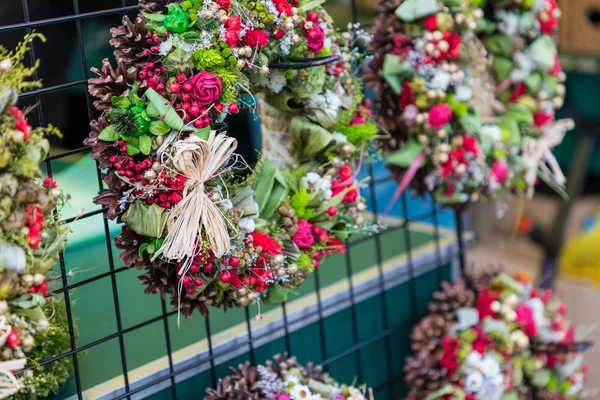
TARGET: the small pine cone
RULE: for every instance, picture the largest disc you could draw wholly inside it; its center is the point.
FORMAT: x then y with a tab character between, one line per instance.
101	150
475	280
129	41
423	375
451	298
154	6
156	281
110	82
110	197
427	335
129	242
240	386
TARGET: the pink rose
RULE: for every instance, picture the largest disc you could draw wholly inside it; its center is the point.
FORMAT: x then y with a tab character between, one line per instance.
206	88
315	39
500	170
304	237
440	115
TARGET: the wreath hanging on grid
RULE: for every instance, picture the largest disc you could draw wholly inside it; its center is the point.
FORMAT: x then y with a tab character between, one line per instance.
32	322
495	336
207	229
468	93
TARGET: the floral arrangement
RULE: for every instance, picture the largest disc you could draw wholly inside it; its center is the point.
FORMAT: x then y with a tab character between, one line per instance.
495	338
30	240
468	93
283	379
208	229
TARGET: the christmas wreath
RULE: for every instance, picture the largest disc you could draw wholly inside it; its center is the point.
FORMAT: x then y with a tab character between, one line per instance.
467	91
495	337
31	239
283	379
207	229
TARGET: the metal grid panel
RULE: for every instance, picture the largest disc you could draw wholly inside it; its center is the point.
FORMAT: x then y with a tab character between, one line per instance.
77	17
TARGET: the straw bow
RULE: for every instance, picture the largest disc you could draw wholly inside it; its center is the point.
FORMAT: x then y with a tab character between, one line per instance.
537	154
199	161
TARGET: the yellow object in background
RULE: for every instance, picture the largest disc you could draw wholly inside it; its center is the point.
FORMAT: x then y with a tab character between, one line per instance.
580	257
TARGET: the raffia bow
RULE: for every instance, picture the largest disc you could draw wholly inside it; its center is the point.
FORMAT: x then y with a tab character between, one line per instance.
9	384
537	155
199	161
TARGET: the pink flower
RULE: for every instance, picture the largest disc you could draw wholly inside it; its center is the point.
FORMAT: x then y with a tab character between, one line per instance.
358	120
281	396
304	237
256	38
542	119
440	115
500	170
206	88
525	319
315	38
320	233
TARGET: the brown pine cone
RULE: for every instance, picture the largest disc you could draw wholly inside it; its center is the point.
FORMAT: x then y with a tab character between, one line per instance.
129	41
154	6
475	280
240	386
101	150
451	298
110	82
423	375
427	335
110	197
129	242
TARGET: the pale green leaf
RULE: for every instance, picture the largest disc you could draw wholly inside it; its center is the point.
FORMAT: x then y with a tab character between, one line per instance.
109	134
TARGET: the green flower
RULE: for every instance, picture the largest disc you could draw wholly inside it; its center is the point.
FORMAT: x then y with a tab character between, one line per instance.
206	60
177	21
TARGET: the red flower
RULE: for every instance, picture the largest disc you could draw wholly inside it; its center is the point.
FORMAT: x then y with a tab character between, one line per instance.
206	88
234	23
482	342
449	361
407	96
268	244
49	182
484	303
315	39
525	319
470	144
547	17
351	196
256	38
440	115
320	233
519	91
279	34
430	23
231	37
542	119
402	44
224	3
345	172
283	7
500	170
13	340
337	244
304	238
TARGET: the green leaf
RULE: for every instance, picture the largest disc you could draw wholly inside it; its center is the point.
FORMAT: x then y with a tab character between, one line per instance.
270	188
499	45
28	301
146	220
541	377
154	17
145	144
511	133
502	67
276	294
412	10
512	395
133	145
396	71
533	82
120	102
543	52
308	139
406	155
152	111
310	5
471	123
203	133
109	134
165	110
521	114
159	128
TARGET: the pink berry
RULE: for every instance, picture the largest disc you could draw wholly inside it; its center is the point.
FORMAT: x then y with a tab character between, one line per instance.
174	87
186	97
233	108
199	124
181	78
225	276
194	269
312	16
195	111
191	290
219	107
186	281
198	282
187	87
332	211
208	268
234	262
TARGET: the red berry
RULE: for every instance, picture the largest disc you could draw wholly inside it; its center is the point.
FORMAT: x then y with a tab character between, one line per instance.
181	78
332	211
225	276
154	49
112	159
175	197
233	108
123	149
312	16
194	110
198	282
191	290
186	281
174	87
149	65
194	269
208	268
345	172
234	262
199	124
219	107
186	97
187	87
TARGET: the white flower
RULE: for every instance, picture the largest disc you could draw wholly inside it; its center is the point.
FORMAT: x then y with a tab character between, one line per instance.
524	66
463	93
247	224
509	22
319	183
490	366
473	359
166	46
300	392
275	82
494	132
473	382
312	178
441	80
293	379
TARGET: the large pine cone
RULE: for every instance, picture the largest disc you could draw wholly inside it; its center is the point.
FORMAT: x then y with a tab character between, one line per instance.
451	298
110	82
101	150
110	197
427	335
154	6
129	41
423	375
240	386
475	280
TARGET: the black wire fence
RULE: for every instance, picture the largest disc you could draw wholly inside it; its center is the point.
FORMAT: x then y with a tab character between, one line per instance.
74	31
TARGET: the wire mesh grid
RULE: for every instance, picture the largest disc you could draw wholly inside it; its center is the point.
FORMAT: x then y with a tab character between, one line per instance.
75	16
